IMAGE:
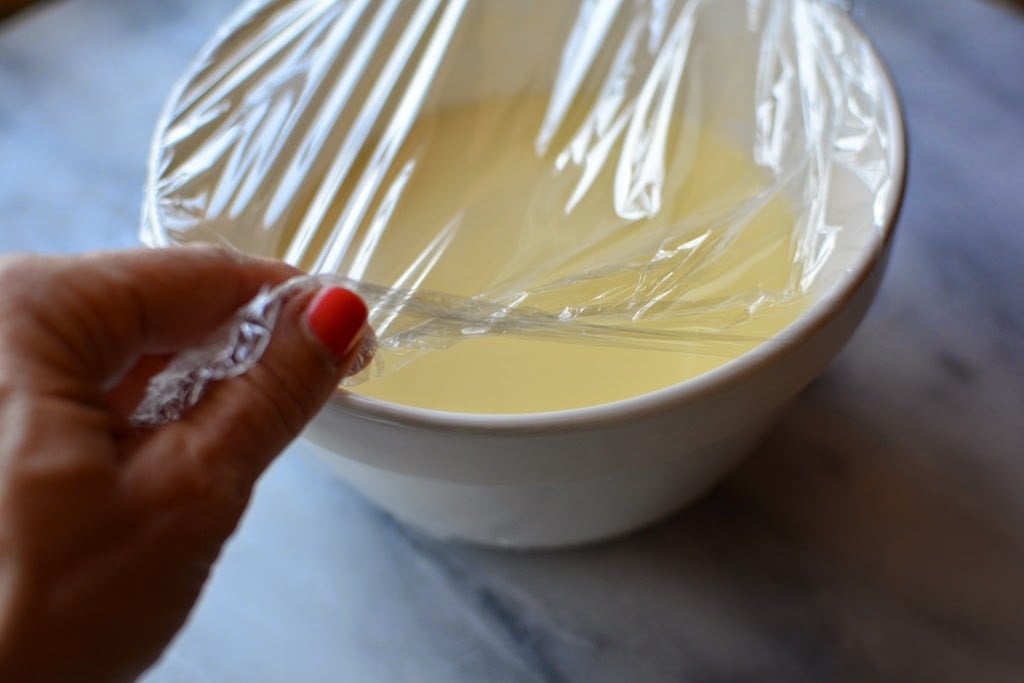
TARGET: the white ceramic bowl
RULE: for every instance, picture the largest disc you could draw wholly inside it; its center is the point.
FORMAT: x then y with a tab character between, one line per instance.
570	477
575	476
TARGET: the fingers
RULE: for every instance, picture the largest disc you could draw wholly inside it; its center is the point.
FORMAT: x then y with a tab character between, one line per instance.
130	390
234	432
101	312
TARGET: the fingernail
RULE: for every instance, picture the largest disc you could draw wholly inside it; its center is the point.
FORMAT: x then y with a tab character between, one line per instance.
336	316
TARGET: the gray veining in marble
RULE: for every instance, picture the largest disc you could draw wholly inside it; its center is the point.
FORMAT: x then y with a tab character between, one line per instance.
877	535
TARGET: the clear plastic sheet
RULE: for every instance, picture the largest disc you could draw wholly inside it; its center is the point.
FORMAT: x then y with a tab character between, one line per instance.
615	172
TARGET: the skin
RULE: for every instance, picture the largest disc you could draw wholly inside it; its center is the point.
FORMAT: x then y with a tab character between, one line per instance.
10	6
109	532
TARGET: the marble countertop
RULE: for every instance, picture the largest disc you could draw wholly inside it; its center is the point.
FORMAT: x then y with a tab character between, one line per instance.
877	535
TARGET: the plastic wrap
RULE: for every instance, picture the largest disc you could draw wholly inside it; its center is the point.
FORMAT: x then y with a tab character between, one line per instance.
233	349
614	172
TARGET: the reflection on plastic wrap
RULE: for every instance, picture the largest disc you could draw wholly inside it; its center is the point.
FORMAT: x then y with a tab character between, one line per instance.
628	173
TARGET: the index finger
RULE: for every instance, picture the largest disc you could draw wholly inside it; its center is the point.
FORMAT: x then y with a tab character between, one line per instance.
95	314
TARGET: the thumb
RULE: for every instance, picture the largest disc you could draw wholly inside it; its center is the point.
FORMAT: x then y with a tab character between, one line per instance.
242	424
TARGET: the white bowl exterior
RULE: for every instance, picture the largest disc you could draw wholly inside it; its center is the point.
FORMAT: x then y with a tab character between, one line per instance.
579	483
547	515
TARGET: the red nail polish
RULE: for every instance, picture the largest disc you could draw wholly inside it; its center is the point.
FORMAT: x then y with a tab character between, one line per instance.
336	316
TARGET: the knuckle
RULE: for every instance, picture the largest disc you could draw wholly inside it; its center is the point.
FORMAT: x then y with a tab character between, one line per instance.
10	265
13	262
212	250
17	271
210	254
28	306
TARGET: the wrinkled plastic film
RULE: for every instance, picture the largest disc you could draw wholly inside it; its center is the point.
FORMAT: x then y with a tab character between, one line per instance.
232	350
614	172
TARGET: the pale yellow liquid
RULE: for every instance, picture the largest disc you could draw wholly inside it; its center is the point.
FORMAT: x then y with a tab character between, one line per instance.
475	167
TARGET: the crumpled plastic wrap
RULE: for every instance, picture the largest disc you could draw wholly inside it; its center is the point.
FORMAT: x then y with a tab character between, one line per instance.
313	131
233	349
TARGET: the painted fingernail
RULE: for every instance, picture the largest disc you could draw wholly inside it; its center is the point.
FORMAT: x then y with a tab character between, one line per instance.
336	316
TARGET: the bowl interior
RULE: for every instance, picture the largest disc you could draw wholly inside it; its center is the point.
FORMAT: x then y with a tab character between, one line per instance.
829	85
864	191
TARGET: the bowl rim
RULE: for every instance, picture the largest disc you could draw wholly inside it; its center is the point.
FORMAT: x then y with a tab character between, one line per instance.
806	325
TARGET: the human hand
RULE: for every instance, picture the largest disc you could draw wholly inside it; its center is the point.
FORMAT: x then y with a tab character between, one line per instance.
107	531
